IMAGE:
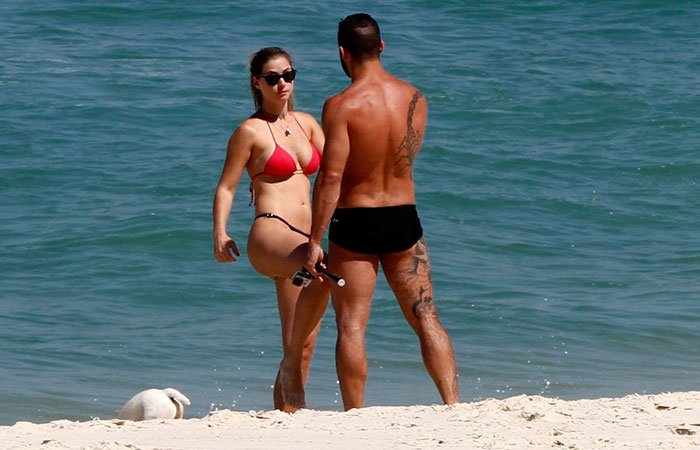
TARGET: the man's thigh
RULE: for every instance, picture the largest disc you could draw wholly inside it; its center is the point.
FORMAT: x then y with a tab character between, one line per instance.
408	275
352	302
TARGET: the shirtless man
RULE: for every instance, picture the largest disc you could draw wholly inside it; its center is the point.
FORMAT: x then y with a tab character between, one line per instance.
374	130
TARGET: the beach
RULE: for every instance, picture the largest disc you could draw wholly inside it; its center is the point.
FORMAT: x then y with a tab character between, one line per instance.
664	421
557	187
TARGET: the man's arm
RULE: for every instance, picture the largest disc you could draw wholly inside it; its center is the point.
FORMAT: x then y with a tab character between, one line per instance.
328	181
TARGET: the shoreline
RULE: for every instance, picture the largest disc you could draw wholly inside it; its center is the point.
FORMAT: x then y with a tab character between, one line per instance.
668	421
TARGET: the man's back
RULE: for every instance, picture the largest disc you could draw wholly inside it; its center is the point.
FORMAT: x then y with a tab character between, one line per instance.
385	119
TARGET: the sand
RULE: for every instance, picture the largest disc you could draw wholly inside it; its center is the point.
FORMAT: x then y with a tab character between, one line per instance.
663	421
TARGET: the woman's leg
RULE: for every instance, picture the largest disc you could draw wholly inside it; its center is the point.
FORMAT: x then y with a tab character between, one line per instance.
293	370
278	252
287	296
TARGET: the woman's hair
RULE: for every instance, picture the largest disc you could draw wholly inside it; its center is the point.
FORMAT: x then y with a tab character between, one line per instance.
257	61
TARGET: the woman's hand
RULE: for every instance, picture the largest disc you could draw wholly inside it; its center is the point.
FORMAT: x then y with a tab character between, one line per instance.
225	248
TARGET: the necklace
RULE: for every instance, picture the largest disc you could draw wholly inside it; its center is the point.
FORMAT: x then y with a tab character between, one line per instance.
287	130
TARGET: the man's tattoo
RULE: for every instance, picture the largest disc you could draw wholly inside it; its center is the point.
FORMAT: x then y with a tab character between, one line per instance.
420	258
408	149
420	270
423	304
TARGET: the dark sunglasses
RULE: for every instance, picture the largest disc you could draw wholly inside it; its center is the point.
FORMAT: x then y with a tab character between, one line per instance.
274	78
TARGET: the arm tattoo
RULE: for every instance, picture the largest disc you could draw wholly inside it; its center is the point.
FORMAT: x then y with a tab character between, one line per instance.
408	149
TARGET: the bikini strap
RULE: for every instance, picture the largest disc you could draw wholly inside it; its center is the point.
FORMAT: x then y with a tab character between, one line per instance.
291	227
302	128
251	189
271	133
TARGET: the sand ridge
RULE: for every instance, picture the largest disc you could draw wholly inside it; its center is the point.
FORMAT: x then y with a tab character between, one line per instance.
664	421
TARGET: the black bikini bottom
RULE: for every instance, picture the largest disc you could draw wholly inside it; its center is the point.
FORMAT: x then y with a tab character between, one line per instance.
291	227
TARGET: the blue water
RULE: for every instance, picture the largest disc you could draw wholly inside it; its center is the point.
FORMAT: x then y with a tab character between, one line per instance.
558	187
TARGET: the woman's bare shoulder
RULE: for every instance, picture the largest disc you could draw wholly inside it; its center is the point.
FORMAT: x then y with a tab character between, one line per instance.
307	120
248	130
250	126
248	134
304	116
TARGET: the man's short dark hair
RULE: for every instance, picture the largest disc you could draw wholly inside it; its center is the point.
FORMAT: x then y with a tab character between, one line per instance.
359	35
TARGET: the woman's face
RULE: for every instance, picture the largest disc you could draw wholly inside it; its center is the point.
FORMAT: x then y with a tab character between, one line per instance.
281	90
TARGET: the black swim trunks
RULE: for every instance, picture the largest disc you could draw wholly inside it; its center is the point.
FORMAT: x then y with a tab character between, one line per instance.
385	229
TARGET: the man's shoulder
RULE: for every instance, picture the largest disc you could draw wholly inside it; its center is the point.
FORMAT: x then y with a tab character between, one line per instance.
343	96
336	103
352	97
396	88
407	88
410	94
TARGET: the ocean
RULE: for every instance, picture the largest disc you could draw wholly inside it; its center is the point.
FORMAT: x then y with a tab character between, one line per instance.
557	186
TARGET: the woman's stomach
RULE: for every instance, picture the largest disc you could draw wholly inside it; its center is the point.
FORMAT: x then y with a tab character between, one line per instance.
288	198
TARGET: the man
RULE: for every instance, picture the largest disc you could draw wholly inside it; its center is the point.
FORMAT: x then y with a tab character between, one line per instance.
374	130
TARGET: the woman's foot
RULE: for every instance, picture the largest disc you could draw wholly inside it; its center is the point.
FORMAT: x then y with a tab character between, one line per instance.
289	390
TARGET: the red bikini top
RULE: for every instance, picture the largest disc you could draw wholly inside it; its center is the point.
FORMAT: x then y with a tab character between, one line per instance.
281	162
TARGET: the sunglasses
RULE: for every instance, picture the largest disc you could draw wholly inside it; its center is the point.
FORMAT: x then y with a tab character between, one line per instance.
274	78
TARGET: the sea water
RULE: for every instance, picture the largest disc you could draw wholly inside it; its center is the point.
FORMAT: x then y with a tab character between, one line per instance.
557	185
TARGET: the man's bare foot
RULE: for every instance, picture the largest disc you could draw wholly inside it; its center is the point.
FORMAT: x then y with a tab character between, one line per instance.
289	390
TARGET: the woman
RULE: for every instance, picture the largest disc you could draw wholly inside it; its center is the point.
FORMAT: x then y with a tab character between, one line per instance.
280	149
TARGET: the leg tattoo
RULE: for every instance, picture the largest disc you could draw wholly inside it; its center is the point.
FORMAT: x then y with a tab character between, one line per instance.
423	305
418	273
420	259
410	280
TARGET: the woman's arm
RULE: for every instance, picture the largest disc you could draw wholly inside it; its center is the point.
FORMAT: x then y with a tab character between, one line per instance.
238	153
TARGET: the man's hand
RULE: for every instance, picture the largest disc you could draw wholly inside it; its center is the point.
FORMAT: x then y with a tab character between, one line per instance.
314	256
